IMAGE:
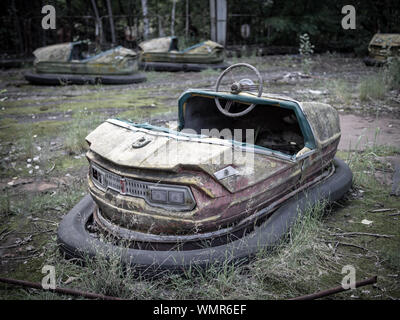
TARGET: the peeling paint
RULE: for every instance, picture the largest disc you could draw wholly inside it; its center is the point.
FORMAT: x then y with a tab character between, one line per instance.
170	158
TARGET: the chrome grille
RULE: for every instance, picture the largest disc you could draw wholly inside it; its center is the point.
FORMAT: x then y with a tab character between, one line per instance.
120	184
136	188
112	181
104	179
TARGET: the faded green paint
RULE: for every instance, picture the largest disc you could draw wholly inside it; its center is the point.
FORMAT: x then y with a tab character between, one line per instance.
67	59
166	50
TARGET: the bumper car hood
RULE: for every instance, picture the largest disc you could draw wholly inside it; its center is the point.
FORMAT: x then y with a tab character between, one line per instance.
143	147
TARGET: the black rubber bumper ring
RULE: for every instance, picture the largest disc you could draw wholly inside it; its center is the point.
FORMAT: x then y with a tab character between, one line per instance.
76	242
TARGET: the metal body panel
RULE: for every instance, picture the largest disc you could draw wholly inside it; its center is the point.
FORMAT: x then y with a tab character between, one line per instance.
166	50
67	59
383	46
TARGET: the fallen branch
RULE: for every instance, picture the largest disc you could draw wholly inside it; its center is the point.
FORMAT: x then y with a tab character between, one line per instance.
338	289
383	210
3	231
57	147
45	220
346	244
72	292
12	246
350	234
23	257
18	244
51	169
4	234
32	233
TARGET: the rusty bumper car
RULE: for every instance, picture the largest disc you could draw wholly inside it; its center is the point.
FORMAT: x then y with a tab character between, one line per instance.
163	54
70	63
239	170
382	47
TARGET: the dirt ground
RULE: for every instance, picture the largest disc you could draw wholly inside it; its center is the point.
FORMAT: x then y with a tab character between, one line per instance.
361	131
42	146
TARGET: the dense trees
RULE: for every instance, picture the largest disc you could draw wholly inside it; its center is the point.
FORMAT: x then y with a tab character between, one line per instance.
271	22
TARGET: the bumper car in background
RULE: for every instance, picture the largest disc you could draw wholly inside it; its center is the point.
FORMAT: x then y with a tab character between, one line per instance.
162	54
70	63
382	47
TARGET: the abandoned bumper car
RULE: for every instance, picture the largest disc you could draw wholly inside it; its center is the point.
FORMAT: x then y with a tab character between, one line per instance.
382	47
197	196
70	63
162	54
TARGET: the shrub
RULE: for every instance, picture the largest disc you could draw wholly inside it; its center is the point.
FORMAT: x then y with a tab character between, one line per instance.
306	49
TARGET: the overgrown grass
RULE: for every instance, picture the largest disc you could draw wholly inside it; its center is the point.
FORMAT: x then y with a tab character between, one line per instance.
393	73
5	204
370	194
373	87
365	163
210	72
376	86
341	90
301	265
298	265
77	130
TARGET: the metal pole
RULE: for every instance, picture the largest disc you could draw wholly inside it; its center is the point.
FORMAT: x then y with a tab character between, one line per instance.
110	17
58	290
213	20
334	290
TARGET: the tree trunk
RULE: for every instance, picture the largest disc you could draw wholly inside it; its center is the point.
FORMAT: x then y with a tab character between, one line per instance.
187	20
173	18
145	20
161	32
159	21
110	17
70	21
20	40
99	26
213	20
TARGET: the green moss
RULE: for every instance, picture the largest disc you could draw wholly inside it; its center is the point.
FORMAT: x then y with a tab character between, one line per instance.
64	164
373	87
15	131
90	101
142	113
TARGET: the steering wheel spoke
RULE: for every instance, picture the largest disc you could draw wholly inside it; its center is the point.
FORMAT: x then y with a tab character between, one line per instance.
228	105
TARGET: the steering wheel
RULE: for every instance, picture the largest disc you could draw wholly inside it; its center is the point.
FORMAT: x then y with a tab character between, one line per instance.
237	87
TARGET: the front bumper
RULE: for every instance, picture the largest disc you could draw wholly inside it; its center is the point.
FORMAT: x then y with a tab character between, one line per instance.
134	213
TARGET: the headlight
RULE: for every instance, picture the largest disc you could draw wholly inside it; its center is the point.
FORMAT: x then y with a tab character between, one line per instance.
166	196
160	196
171	195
